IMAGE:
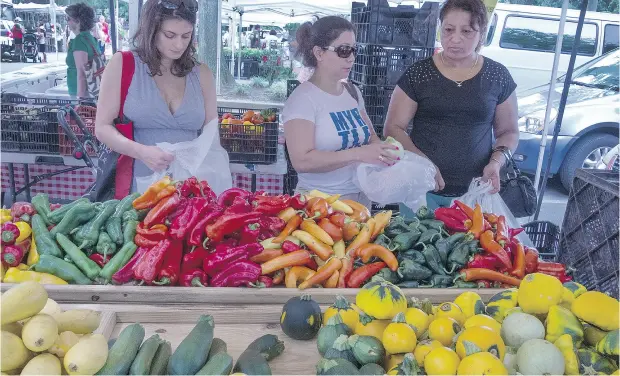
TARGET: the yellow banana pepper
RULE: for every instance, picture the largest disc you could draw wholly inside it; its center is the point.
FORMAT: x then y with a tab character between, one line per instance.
14	275
33	254
24	231
5	216
23	267
2	271
571	362
562	321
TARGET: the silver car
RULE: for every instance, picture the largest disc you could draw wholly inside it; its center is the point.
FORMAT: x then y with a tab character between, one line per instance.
590	125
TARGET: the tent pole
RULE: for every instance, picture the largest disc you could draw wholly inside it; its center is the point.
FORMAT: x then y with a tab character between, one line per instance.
567	83
218	55
554	76
240	28
112	26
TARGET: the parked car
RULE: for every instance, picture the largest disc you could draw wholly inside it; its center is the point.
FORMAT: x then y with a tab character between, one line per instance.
523	38
589	126
612	159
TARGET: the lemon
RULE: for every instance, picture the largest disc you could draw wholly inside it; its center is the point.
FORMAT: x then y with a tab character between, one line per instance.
470	303
483	320
418	319
441	361
443	330
423	348
451	310
482	363
538	292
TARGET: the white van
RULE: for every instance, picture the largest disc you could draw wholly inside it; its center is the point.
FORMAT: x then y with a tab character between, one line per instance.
523	37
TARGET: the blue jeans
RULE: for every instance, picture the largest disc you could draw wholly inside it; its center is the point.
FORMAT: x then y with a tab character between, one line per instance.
433	202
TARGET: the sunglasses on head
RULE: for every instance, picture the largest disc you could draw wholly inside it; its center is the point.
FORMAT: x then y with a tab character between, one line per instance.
190	5
343	51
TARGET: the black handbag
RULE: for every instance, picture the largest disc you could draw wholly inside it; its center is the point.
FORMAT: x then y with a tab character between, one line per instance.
517	190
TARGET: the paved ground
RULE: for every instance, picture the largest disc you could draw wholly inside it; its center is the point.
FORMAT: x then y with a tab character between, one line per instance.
6	67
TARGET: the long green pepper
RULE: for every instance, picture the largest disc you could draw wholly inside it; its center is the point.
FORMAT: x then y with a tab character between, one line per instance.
105	245
89	233
433	260
118	261
61	269
405	240
129	231
46	245
77	216
114	223
57	215
86	265
412	271
41	204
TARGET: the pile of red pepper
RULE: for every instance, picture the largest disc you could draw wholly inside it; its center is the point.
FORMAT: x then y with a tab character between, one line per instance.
504	261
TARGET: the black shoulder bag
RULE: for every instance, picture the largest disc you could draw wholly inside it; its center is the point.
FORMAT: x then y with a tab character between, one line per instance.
517	190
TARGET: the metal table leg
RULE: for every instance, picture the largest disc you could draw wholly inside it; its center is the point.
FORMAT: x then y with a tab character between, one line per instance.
12	183
27	180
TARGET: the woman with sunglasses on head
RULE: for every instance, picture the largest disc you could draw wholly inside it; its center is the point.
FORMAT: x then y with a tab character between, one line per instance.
463	106
171	96
80	20
327	130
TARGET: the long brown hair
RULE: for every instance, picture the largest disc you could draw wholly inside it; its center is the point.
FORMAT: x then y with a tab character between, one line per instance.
151	20
321	33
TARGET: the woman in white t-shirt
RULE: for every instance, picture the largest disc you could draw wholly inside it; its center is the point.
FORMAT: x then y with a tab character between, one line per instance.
327	130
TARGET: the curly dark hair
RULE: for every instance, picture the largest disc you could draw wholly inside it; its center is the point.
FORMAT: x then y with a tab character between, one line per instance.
321	33
153	16
82	13
477	10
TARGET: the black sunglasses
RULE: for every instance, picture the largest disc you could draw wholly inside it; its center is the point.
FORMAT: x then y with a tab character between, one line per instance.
343	51
190	5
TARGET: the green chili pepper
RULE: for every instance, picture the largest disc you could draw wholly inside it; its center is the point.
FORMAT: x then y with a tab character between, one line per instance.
46	245
440	281
118	261
412	271
57	215
433	260
473	248
428	237
114	223
383	241
105	245
397	226
422	228
409	285
387	275
413	222
458	257
411	254
129	231
460	284
447	245
433	224
61	269
142	214
425	213
88	235
41	204
75	217
405	240
86	265
130	215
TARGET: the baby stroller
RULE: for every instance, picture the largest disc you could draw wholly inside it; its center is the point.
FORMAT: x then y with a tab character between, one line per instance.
31	48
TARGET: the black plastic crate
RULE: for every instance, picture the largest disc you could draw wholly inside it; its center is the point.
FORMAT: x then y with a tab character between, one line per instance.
249	143
546	238
403	25
589	236
28	128
384	65
375	208
376	100
291	85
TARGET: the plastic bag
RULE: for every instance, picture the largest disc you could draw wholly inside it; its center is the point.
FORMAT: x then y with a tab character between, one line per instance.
407	181
202	157
478	193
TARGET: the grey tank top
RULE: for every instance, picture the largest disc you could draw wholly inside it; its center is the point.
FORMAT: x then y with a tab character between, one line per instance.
153	122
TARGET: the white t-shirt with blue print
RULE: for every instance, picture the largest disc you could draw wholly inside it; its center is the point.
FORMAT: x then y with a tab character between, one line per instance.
338	126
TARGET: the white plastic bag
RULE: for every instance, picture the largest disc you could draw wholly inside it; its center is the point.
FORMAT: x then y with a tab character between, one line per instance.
478	193
202	157
407	181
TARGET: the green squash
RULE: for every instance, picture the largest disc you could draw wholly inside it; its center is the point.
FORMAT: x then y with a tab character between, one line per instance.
342	350
609	344
367	349
592	363
409	366
329	333
336	367
301	318
372	369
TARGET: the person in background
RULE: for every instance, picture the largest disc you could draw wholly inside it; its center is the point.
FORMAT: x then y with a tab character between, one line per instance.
271	41
463	107
18	36
80	18
171	96
104	40
327	130
42	41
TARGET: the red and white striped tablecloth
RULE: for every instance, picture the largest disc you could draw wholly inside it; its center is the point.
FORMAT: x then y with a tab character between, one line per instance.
72	185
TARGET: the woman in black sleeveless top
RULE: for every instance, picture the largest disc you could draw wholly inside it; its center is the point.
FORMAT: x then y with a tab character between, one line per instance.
463	106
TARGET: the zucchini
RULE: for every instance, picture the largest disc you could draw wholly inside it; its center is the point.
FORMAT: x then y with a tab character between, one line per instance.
219	364
124	350
142	363
217	346
252	362
269	346
161	358
193	351
371	369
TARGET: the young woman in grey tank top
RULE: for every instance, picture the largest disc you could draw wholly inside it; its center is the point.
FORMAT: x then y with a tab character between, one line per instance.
171	96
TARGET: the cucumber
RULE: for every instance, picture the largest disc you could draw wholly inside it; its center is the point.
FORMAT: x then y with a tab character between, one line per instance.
124	350
193	351
268	345
142	363
220	364
217	346
252	362
161	358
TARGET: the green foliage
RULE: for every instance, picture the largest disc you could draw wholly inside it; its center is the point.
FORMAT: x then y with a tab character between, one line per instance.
243	90
277	92
608	6
260	82
270	66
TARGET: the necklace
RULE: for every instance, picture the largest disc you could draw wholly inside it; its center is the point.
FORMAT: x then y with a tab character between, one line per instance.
460	83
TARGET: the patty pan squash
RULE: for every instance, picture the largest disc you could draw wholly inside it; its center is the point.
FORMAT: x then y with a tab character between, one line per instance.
500	303
538	292
480	339
399	337
349	315
597	309
562	321
381	299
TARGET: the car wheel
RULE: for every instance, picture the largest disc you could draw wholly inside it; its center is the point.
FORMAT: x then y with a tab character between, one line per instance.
587	153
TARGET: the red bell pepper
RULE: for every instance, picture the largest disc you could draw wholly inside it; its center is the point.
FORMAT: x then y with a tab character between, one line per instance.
156	233
531	260
219	260
141	241
318	208
179	209
194	278
12	255
552	267
55	206
239	205
311	264
298	202
99	259
240	273
288	246
483	284
519	259
164	207
197	233
345	272
249	233
364	273
515	231
125	274
484	261
171	268
207	191
272	224
191	188
227	224
469	212
9	233
263	282
194	259
452	219
22	211
196	209
227	197
148	267
270	205
491	246
502	236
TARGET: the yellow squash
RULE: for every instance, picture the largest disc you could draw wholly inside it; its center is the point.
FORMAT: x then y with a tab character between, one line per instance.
87	356
22	301
418	319
369	326
562	321
571	362
443	330
597	309
399	337
451	310
572	290
441	361
500	303
349	315
482	363
393	360
65	341
480	339
40	333
381	299
14	353
609	344
470	303
44	364
483	320
423	348
538	292
407	367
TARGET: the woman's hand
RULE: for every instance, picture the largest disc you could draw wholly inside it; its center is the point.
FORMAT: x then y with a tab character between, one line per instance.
377	153
491	172
155	158
439	183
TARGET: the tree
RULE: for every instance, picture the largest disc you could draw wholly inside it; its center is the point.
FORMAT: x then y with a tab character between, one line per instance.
608	6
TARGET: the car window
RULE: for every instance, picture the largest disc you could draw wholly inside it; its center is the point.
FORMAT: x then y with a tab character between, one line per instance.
610	41
491	32
602	73
540	34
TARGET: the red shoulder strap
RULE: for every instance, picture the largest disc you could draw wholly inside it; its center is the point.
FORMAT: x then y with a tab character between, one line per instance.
126	76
